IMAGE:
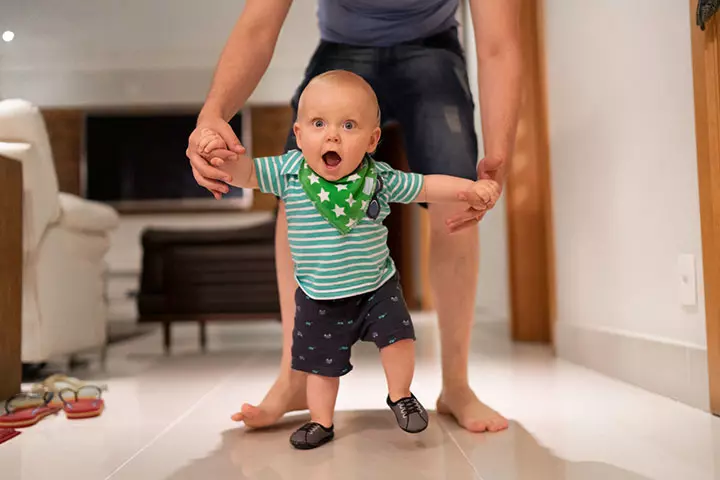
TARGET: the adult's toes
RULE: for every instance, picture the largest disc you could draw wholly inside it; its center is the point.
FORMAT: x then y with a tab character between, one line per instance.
250	411
477	426
498	425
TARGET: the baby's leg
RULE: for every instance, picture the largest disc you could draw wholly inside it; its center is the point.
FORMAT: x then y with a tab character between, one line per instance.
321	396
399	363
321	349
398	360
387	323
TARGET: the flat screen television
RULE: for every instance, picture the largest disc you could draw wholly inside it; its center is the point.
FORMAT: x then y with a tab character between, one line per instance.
136	162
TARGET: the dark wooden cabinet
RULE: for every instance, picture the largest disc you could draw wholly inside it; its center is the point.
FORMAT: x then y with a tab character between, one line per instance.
10	276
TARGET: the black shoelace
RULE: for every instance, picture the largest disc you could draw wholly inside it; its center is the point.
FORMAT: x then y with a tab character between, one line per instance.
409	406
310	428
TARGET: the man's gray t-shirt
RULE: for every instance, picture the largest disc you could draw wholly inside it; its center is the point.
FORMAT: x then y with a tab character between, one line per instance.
382	23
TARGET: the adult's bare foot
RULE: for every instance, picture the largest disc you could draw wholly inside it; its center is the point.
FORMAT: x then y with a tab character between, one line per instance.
286	395
469	412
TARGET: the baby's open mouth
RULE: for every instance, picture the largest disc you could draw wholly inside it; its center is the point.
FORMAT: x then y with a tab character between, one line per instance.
331	159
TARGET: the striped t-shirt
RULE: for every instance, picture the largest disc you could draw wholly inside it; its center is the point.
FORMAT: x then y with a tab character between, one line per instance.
328	264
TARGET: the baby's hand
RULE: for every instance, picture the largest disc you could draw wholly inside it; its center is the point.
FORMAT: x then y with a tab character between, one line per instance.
483	193
211	146
480	197
209	141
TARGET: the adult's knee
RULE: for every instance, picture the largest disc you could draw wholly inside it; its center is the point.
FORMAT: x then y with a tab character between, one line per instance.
439	214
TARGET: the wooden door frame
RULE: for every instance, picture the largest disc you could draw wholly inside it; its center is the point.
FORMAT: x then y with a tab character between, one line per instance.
706	78
528	196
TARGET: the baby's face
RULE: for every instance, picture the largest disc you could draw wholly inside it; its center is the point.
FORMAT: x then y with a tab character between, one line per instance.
337	125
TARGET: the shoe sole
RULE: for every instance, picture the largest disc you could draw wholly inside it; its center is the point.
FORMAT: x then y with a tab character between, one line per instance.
414	431
307	446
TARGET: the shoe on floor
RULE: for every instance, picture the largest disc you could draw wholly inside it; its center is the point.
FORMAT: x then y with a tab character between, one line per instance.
409	413
311	435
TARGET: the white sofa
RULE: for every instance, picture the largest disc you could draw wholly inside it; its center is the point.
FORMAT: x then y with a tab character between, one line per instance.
65	239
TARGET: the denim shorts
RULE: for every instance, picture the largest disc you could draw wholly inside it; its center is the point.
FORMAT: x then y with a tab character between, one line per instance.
423	85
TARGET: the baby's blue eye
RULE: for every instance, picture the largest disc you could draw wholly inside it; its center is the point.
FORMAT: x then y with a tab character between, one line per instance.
319	123
348	125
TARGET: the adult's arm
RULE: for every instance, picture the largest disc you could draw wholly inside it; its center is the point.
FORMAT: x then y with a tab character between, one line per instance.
499	57
245	57
243	62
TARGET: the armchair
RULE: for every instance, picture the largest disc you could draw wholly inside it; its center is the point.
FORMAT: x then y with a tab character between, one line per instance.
65	239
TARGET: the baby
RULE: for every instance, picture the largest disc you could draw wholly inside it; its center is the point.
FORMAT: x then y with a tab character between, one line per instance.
336	199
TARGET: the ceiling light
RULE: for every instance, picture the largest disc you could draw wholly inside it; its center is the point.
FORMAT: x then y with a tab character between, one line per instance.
8	36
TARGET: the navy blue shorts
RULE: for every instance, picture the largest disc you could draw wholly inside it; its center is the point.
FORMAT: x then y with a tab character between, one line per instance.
326	330
423	85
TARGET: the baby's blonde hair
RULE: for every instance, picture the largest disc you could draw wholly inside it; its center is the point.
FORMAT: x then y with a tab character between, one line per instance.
348	78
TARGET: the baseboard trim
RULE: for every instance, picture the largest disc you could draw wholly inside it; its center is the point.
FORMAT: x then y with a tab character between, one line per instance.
670	369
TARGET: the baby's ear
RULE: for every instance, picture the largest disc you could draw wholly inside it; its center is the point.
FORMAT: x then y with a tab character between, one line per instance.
298	135
374	140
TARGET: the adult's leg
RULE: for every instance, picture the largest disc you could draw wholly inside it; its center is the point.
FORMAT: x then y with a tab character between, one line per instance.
288	392
431	98
454	261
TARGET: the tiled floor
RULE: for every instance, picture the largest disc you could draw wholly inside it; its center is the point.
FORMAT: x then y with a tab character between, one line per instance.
168	418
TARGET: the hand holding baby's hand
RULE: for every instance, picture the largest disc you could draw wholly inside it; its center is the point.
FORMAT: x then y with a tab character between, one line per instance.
481	197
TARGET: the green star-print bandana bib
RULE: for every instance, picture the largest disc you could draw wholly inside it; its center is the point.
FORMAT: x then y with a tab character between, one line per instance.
344	202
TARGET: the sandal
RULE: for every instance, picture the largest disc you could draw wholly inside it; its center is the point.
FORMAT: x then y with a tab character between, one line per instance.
58	382
26	409
85	402
7	434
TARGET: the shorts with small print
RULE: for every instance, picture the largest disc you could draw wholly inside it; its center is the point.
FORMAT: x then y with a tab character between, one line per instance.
326	330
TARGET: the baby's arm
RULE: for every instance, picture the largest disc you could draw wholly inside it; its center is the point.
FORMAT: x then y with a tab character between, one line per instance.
241	169
445	189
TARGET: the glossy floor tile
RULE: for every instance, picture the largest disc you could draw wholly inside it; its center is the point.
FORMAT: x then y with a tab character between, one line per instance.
168	418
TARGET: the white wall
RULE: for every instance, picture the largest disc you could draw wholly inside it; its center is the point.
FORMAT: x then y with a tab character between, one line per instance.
136	52
625	194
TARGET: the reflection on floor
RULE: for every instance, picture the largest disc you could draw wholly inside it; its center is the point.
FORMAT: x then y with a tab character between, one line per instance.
168	418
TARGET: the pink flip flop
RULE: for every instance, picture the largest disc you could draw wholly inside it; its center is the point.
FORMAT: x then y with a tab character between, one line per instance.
85	402
7	434
26	409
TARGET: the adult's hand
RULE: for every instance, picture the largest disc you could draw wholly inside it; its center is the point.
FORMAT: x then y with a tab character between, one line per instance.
205	174
477	195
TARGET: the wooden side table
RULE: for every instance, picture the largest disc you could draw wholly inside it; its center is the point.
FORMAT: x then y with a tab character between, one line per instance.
10	276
